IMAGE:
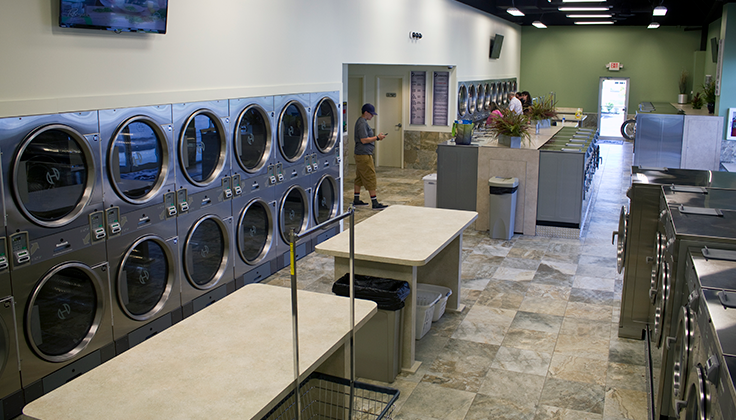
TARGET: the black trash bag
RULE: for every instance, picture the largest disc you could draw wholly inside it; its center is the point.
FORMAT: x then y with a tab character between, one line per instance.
388	294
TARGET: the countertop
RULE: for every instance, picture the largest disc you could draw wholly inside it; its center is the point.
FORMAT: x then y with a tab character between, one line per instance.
689	110
231	360
402	235
483	138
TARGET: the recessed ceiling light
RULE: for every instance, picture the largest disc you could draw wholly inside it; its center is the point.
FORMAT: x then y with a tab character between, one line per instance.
659	11
594	22
538	24
653	25
601	16
513	11
582	9
583	1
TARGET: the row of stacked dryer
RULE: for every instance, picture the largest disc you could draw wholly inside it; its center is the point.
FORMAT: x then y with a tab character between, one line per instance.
475	98
121	222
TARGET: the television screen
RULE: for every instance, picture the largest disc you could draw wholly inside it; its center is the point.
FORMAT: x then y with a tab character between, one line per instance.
114	15
496	44
714	49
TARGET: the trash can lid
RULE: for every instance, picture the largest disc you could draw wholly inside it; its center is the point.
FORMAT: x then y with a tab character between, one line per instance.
430	177
498	181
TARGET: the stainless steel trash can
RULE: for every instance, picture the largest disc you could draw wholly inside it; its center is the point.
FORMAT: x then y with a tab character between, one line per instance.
430	190
502	209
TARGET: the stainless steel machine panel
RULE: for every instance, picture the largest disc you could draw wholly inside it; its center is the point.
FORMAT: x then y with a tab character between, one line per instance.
253	145
326	204
11	394
293	135
293	213
255	240
326	122
658	140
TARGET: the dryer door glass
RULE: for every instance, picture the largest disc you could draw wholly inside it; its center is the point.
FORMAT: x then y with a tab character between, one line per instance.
53	175
294	212
462	100
293	131
471	99
205	252
64	312
145	279
138	159
202	148
252	139
255	232
325	125
325	200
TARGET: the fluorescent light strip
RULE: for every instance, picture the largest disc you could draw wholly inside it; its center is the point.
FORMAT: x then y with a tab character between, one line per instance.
594	22
601	16
538	24
513	11
653	25
582	9
583	1
659	11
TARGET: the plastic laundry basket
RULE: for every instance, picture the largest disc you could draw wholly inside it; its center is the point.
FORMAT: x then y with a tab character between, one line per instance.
425	311
441	305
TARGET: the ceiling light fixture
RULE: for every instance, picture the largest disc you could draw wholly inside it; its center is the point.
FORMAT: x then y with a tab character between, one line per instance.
653	25
594	22
513	11
583	1
538	24
582	9
659	11
601	16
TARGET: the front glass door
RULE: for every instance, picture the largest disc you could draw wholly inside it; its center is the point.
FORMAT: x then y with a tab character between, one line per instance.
613	100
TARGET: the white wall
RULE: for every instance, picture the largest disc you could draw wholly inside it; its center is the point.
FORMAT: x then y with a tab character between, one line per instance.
235	48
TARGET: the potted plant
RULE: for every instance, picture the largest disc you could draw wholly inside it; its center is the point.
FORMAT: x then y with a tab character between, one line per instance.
510	128
697	101
709	96
543	110
682	97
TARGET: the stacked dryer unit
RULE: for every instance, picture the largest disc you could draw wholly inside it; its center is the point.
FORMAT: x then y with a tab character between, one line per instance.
140	218
293	170
326	189
203	197
253	204
475	98
56	247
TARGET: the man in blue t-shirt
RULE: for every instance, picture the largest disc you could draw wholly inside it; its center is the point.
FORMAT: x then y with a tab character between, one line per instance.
365	171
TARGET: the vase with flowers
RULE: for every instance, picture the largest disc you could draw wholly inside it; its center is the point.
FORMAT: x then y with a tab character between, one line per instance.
510	128
542	111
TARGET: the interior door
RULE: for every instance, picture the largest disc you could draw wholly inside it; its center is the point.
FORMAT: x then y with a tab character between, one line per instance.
355	103
613	104
389	151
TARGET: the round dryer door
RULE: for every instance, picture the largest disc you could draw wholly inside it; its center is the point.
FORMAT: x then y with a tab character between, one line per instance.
202	148
325	199
471	99
659	246
325	125
252	138
53	175
660	303
682	347
138	160
695	407
255	232
622	232
146	277
462	101
293	212
64	312
206	252
487	98
293	131
481	98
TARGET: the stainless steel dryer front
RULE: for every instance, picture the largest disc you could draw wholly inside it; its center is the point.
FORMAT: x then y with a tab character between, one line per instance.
53	199
64	313
292	137
11	391
294	212
206	256
145	274
256	239
201	132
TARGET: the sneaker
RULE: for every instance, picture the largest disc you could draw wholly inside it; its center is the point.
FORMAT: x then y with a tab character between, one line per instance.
359	203
379	206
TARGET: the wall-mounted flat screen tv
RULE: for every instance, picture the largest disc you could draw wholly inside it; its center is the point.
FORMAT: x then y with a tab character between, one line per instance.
115	15
496	44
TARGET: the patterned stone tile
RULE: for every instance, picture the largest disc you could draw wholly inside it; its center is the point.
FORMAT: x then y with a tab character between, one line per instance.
573	395
520	263
588	311
503	294
485	325
592	297
543	305
559	274
586	328
524	361
434	402
583	346
626	404
530	340
478	266
578	369
537	322
526	253
548	291
519	387
545	412
475	284
624	350
485	407
594	283
514	274
626	376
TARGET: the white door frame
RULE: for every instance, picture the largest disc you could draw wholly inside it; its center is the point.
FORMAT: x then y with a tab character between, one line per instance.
600	99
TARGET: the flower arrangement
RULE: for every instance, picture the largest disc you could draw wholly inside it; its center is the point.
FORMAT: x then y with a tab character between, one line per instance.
544	108
683	82
510	124
709	92
697	101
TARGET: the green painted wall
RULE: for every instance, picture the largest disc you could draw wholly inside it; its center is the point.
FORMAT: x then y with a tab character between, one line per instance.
570	61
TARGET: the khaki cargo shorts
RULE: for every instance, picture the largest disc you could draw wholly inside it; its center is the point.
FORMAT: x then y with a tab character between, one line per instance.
365	172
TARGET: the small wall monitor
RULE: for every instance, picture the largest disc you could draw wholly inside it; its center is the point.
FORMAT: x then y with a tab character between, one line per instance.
115	15
496	43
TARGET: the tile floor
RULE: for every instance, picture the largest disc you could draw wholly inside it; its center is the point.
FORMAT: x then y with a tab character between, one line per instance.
538	336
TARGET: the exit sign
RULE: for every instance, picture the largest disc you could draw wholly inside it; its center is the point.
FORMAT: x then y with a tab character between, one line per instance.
614	66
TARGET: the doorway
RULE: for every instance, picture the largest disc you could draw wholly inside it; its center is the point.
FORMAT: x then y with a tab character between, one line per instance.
613	103
355	103
390	151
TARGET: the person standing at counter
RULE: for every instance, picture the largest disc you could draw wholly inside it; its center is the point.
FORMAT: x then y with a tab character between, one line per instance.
515	103
365	171
526	101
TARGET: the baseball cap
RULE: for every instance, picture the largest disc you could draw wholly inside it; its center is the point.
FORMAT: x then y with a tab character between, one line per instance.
369	108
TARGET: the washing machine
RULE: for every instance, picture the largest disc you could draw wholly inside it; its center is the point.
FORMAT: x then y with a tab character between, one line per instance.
201	133
139	169
254	181
53	195
11	391
144	283
293	145
206	249
689	217
64	314
293	212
